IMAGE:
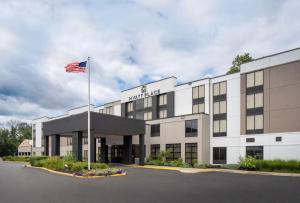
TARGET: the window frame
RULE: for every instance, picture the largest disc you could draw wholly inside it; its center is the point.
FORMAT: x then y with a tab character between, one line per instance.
189	130
189	158
155	130
174	153
254	150
154	150
219	160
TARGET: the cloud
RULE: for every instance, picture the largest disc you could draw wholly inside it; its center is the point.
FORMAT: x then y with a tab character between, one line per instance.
129	42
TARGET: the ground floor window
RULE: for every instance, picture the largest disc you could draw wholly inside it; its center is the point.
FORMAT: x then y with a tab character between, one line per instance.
85	154
155	149
191	153
174	151
255	151
219	155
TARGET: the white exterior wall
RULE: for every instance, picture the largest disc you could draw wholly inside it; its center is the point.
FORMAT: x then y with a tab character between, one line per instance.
184	97
232	140
117	110
38	130
80	110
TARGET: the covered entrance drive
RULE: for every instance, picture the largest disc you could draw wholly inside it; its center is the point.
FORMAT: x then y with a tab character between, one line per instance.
102	126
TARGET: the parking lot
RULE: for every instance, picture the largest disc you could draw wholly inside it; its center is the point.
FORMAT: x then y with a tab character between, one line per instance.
19	184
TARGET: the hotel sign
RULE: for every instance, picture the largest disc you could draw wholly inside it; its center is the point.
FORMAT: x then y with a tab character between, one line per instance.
144	94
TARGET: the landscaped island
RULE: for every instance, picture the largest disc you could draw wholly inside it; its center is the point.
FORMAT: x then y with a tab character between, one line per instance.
68	165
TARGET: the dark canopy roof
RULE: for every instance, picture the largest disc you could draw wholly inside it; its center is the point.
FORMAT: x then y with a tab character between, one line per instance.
100	123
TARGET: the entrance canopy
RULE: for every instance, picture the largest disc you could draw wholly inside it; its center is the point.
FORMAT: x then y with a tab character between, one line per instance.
100	123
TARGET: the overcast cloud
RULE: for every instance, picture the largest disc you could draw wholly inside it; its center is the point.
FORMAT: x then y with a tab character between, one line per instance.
130	42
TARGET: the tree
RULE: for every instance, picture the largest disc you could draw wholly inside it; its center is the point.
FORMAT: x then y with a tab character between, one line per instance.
238	61
10	138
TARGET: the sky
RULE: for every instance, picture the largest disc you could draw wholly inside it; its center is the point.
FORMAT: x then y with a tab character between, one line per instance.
130	42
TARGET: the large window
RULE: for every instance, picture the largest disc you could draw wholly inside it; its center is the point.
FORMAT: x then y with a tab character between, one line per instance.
255	151
219	155
162	99
85	140
191	153
129	107
163	113
219	109
101	110
148	115
155	149
254	102
148	102
198	99
155	130
69	141
191	128
109	110
174	151
139	115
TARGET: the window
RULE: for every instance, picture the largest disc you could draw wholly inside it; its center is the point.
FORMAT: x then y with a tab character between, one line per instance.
191	128
109	110
33	135
278	139
255	151
129	106
85	154
139	104
163	113
148	115
162	99
255	123
255	79
250	139
174	152
101	110
69	141
255	100
155	130
198	108
155	149
220	88
219	155
85	140
198	92
191	153
148	102
220	107
220	126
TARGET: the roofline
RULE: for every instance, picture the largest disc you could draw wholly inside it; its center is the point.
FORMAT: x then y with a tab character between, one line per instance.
80	107
290	50
149	83
185	83
119	100
39	118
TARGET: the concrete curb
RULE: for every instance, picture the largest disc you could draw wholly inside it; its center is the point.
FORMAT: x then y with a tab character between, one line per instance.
195	170
72	175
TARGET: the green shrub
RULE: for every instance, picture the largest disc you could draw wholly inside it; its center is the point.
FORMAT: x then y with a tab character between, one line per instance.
35	159
278	165
99	166
230	166
54	163
69	157
248	163
78	166
16	158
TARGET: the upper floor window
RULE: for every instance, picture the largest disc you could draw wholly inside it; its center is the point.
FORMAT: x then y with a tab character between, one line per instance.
101	110
129	106
162	99
69	141
255	100
219	88
198	99
155	130
198	92
220	107
85	140
109	110
163	113
255	79
191	128
148	102
148	115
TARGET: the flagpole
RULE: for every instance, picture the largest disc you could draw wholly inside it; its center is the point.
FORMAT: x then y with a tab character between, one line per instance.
89	117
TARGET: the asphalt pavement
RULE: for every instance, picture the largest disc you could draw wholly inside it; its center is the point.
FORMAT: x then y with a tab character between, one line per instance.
21	185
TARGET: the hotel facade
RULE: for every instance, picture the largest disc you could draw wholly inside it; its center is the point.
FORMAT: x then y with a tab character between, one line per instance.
209	121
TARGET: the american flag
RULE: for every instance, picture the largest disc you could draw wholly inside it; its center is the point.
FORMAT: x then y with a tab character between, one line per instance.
76	67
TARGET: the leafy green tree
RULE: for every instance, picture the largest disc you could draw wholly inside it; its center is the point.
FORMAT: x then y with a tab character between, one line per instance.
10	138
238	61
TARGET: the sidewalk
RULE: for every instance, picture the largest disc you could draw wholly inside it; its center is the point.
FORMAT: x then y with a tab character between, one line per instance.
198	170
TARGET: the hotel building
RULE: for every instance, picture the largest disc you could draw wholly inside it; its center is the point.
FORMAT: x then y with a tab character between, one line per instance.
209	121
